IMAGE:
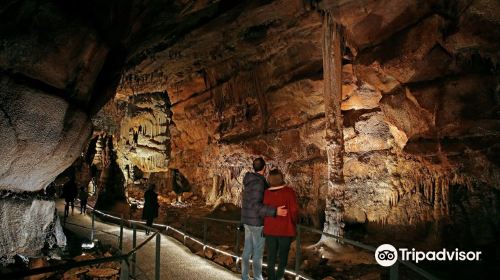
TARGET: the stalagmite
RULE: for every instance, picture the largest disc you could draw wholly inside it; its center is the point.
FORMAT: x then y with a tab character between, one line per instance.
332	70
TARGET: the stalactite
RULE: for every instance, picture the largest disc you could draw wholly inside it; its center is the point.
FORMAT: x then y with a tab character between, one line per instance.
235	171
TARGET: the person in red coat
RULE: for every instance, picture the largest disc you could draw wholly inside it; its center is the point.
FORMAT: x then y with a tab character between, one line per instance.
279	231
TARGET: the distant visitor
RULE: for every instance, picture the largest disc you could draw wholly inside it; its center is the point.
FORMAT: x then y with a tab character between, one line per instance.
151	205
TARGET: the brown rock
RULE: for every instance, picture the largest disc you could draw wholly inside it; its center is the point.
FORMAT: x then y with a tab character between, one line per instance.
102	272
187	195
401	110
36	263
83	257
224	260
223	247
172	195
362	98
113	265
75	272
209	254
375	23
375	76
200	253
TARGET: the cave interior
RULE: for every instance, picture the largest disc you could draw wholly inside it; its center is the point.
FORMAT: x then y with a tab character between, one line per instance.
384	116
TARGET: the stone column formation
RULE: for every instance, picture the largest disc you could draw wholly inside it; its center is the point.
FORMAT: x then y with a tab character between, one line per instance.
332	84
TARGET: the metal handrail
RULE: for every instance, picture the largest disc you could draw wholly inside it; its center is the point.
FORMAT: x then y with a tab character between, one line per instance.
394	273
341	239
123	257
393	270
358	244
135	247
219	220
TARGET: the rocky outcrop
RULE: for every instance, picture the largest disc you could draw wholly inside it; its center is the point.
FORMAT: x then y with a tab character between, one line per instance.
36	218
419	103
39	130
111	181
144	135
57	68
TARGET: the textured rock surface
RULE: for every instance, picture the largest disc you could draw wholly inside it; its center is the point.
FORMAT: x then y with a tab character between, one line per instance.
420	99
57	67
420	105
28	226
38	130
144	135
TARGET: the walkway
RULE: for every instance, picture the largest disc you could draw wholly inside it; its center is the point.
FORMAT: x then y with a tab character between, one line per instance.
177	261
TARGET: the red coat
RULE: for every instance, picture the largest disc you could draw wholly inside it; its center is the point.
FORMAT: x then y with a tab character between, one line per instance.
281	226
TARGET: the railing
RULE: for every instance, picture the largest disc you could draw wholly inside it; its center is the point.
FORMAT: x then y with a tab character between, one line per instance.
393	270
132	254
128	260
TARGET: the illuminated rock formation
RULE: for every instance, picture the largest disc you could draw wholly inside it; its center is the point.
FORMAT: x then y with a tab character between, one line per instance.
414	77
144	135
205	86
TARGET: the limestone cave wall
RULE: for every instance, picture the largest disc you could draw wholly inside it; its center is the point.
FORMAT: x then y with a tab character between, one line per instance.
205	86
58	66
420	104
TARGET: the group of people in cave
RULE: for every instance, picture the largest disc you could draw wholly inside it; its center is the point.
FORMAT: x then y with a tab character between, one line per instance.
70	192
269	216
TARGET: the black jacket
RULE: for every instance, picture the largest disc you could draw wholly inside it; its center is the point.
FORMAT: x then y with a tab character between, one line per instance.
151	205
252	209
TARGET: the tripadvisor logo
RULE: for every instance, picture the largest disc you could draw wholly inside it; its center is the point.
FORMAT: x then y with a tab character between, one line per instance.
387	255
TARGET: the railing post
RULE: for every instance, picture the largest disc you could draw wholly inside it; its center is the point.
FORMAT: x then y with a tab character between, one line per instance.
297	254
93	227
157	264
204	231
394	271
120	245
237	249
124	273
134	233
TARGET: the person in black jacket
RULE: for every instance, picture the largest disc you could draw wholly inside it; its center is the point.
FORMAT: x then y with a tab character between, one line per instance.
151	205
253	212
70	191
83	196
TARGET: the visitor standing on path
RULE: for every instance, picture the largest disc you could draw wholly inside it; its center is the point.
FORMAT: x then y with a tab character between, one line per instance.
253	212
70	191
279	231
151	205
83	196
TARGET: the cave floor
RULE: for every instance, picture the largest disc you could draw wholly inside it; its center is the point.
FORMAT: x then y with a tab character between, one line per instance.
177	261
